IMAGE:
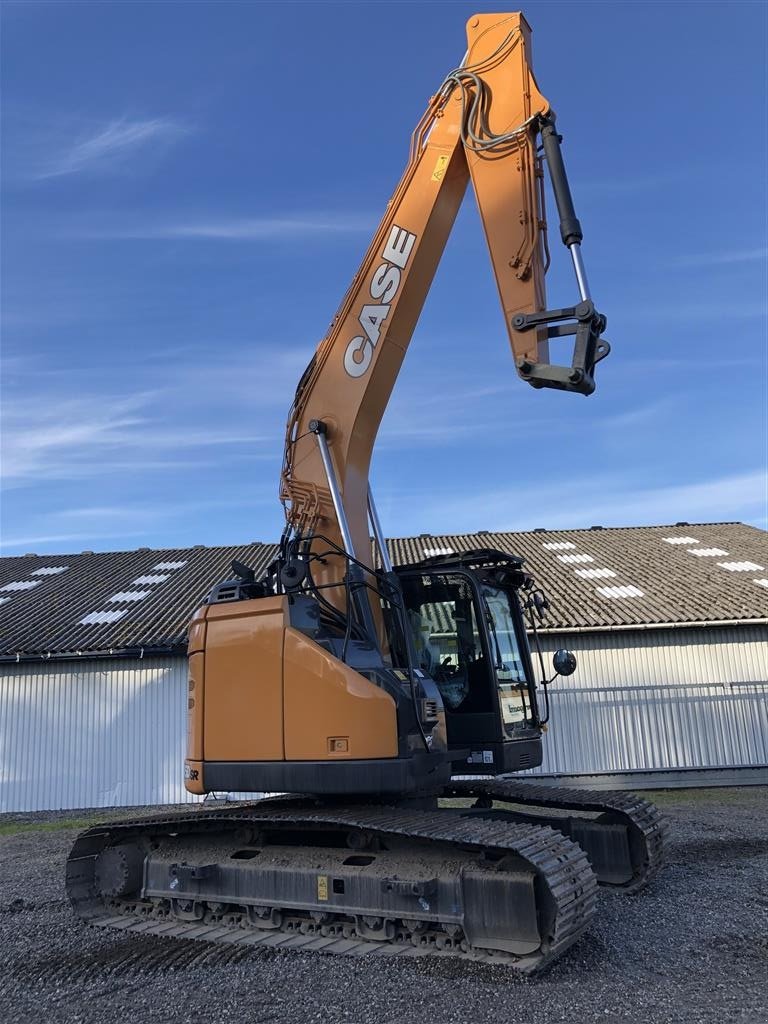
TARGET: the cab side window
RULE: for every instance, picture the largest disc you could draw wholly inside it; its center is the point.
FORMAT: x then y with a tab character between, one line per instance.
443	620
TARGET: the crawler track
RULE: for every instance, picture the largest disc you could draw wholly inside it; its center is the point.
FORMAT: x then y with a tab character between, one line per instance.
487	864
641	822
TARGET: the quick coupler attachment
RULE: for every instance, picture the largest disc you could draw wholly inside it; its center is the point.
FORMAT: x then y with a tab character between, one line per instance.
589	348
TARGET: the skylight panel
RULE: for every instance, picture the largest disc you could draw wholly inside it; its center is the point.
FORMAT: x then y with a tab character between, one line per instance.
50	570
432	552
150	580
130	595
21	585
760	583
559	545
594	574
706	552
680	540
4	599
568	559
741	566
629	591
169	565
98	618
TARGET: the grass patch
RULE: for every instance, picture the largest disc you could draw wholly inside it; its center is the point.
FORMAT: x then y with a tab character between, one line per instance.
708	797
10	828
712	795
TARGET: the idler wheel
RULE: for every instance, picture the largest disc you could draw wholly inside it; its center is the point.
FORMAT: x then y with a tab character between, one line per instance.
119	870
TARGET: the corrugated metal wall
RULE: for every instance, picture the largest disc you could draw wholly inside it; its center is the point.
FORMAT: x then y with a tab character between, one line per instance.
659	699
112	732
92	733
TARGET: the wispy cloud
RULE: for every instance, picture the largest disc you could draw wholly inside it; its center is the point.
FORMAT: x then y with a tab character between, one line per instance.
723	258
699	365
109	146
39	540
33	444
236	229
608	502
415	414
695	310
101	434
133	512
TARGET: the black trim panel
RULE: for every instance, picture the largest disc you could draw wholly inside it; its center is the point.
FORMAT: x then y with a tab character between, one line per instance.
421	773
511	756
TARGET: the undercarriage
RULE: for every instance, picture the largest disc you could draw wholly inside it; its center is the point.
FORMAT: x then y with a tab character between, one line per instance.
481	879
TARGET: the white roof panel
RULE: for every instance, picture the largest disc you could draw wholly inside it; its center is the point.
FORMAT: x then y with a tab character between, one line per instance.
96	618
630	591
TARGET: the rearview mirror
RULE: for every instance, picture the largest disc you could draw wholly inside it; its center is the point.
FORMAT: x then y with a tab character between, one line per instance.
564	663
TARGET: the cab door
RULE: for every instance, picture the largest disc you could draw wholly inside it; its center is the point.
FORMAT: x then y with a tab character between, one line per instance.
447	622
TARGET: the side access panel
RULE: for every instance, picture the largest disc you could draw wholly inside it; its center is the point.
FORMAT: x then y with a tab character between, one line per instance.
332	712
243	680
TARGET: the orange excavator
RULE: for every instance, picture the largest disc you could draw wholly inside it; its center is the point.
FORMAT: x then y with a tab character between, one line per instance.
389	706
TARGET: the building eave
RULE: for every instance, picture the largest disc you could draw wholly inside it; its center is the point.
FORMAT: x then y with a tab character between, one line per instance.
150	651
639	627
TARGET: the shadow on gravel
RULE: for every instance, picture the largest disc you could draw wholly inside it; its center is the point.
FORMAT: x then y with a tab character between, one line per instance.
742	947
717	851
147	956
587	955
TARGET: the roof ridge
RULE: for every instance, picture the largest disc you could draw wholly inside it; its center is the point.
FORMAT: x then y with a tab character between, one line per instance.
575	529
410	536
136	551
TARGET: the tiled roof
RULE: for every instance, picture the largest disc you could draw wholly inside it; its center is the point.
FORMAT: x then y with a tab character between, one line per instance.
595	579
111	600
645	575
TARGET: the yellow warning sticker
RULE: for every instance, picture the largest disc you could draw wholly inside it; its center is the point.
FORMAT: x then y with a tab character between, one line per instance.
439	171
322	887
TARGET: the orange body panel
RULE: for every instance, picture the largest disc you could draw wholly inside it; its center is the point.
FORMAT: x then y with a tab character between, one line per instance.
196	640
328	703
193	777
244	680
195	700
195	706
507	186
262	691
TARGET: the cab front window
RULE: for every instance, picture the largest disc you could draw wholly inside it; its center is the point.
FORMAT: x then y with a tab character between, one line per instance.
507	657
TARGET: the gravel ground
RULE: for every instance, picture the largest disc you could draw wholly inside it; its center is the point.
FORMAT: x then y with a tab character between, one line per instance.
691	948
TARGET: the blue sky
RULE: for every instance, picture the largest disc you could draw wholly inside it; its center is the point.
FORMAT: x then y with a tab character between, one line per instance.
188	189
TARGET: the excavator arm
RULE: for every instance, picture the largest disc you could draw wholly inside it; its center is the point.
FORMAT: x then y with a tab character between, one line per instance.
487	122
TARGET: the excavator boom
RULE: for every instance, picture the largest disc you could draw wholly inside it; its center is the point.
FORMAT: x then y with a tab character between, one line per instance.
484	124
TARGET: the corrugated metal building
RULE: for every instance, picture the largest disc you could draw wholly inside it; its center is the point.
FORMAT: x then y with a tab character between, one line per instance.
670	626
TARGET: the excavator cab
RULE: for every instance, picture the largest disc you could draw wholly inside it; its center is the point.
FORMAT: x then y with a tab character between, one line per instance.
468	634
